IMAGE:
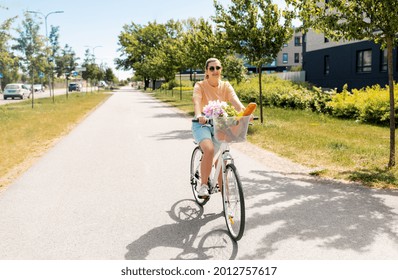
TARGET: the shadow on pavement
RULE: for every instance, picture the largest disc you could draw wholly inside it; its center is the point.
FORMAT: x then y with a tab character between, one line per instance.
181	235
333	214
175	134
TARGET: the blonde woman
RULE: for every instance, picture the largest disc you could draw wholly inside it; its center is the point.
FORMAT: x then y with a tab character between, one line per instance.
212	88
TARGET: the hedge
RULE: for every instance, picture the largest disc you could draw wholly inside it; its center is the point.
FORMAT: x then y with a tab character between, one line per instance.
370	104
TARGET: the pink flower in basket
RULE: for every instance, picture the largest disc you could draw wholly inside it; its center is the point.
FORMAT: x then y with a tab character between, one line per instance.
215	109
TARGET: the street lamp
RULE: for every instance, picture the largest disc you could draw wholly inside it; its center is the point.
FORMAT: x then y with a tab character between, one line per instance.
93	48
45	23
45	17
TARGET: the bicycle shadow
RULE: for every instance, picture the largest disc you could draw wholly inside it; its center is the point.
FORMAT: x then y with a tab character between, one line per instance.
175	134
332	214
182	235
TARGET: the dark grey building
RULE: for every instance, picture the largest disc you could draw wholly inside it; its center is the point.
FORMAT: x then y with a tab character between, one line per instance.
357	63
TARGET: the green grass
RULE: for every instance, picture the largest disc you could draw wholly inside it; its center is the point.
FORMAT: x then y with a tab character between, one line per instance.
336	148
26	133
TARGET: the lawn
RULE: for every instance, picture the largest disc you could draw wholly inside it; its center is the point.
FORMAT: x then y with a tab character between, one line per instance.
27	132
341	149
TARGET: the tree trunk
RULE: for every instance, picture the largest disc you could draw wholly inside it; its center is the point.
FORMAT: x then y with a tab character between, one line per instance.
261	94
391	162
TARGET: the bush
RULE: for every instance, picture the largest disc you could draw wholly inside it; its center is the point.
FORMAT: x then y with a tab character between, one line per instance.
284	94
183	88
370	104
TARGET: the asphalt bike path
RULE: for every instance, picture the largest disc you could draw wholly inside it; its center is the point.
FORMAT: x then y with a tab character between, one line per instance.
117	187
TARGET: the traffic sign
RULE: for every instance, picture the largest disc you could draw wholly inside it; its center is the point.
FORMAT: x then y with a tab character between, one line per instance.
75	73
41	74
1	75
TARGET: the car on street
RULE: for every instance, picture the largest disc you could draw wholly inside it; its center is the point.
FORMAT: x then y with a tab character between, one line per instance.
74	87
16	90
102	84
38	87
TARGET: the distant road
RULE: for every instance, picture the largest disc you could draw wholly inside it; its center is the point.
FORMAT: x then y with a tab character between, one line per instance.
46	93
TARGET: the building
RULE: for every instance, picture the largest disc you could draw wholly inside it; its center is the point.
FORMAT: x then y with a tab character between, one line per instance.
291	55
355	63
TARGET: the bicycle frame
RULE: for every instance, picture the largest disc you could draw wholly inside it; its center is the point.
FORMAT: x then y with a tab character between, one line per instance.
230	185
220	161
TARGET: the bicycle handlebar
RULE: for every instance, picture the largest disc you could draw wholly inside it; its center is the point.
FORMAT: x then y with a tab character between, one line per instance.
209	121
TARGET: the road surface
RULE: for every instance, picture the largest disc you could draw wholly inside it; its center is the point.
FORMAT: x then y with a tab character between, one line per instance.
117	187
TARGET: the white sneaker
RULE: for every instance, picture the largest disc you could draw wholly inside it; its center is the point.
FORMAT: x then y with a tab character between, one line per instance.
203	191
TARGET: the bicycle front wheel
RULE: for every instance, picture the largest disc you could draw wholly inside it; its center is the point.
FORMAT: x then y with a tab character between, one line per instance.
196	160
234	202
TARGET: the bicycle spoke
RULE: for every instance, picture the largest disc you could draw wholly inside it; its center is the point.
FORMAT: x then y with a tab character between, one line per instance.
234	203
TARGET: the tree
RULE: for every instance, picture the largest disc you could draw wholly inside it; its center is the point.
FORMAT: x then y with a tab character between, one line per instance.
202	42
66	61
254	28
374	20
31	47
8	62
139	45
109	75
233	68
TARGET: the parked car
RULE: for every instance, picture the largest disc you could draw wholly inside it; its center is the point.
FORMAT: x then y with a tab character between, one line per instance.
16	90
102	84
38	87
74	87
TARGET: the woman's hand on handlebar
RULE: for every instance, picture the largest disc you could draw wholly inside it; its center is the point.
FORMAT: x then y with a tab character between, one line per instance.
202	119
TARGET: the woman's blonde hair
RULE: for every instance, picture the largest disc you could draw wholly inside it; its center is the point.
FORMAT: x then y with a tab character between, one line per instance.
210	60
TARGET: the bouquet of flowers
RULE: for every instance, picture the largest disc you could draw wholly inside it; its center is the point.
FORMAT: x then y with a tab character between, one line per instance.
218	109
226	125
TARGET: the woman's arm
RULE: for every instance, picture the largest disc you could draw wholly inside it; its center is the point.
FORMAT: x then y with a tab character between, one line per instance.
197	101
237	104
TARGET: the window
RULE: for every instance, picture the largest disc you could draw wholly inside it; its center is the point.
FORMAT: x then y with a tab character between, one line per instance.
297	41
326	40
285	58
326	65
296	58
383	60
364	61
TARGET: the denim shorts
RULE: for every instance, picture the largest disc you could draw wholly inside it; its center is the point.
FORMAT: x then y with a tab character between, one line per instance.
201	132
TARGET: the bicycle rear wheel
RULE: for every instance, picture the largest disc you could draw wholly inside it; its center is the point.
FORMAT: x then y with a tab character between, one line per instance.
196	160
234	202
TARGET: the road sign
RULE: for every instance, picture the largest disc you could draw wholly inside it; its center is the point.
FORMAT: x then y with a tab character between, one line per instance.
1	75
75	73
41	74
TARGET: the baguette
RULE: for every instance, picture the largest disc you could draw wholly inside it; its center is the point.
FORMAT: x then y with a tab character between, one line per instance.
250	109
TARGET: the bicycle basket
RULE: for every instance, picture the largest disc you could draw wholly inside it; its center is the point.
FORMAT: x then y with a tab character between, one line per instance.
231	129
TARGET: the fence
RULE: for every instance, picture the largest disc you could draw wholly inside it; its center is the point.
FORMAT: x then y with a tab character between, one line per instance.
292	76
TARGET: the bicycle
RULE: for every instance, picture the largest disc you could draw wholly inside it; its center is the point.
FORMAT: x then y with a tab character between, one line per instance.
226	131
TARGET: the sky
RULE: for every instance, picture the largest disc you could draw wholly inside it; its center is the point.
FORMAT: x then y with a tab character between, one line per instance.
98	23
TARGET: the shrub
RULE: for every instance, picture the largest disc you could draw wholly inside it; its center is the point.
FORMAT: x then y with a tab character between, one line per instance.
370	104
283	93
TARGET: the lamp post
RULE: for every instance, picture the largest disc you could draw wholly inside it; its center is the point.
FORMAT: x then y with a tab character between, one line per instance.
93	48
45	17
45	23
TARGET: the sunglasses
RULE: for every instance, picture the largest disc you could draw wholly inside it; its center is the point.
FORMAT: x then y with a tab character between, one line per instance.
212	68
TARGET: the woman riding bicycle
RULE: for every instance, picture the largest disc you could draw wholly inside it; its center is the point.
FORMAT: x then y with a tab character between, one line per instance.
210	89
